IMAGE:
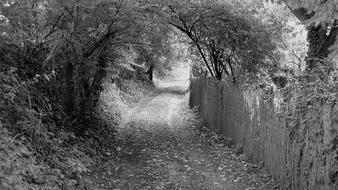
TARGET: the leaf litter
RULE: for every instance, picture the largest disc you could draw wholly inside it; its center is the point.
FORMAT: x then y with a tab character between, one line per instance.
163	145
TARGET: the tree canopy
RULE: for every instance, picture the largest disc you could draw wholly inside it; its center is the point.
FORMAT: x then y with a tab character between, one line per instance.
321	20
228	43
76	45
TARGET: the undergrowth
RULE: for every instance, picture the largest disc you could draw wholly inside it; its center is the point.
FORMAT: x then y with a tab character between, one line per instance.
38	151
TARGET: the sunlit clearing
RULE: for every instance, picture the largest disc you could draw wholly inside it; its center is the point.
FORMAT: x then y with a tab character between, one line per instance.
177	79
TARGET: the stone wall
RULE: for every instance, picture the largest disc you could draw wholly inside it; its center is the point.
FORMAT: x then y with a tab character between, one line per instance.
303	154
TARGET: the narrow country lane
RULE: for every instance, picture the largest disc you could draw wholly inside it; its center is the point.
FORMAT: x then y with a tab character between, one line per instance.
162	146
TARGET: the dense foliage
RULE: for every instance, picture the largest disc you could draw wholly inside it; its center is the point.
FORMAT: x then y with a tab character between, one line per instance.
231	44
321	20
65	49
71	45
57	57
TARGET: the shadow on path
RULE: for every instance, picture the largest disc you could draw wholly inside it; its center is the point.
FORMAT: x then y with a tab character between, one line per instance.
163	146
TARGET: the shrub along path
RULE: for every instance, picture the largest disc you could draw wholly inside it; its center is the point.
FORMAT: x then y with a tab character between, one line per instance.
162	146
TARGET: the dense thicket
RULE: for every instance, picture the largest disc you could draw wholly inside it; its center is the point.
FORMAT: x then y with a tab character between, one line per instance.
63	50
320	19
231	44
55	54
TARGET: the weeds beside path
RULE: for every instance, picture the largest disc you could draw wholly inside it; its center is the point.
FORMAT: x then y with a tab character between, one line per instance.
162	146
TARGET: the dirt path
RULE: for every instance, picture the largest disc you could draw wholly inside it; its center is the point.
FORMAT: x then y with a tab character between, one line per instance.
162	147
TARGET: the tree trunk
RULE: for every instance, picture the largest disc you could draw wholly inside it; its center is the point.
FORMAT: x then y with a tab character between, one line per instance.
100	74
150	72
320	39
84	93
203	56
319	43
68	103
190	35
